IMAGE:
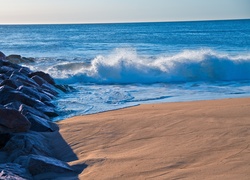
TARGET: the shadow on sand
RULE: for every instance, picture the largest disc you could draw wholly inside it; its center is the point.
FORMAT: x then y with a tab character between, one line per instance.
63	152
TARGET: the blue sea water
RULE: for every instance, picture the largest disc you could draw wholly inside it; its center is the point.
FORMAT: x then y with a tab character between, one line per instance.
113	66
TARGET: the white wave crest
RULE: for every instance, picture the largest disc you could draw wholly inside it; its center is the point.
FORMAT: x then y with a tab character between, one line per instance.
125	66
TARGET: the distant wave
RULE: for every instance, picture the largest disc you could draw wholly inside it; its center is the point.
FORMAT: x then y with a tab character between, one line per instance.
125	66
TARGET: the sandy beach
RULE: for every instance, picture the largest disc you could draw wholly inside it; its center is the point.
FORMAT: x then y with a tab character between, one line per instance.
187	140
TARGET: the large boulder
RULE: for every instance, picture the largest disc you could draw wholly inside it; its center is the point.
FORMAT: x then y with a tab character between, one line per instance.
13	171
33	92
47	110
9	64
24	109
24	144
8	95
7	70
37	164
44	76
10	83
24	70
17	59
26	81
39	124
12	121
45	85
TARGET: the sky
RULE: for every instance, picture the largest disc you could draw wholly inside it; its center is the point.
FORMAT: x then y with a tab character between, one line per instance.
108	11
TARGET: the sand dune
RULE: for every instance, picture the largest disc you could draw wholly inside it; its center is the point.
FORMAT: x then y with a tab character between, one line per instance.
190	140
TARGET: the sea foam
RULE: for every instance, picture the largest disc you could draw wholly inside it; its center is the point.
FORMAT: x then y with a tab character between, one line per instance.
125	66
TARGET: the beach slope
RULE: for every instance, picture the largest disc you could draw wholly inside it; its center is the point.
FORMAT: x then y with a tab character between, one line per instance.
188	140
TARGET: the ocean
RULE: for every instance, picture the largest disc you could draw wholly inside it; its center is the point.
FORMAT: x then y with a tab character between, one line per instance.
112	66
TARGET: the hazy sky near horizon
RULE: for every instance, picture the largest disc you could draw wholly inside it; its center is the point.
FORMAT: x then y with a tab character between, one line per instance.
105	11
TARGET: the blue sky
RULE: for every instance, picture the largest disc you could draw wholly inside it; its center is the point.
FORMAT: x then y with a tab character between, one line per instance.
94	11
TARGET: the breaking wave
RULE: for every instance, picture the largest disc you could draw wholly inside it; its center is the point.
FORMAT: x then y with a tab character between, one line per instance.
125	66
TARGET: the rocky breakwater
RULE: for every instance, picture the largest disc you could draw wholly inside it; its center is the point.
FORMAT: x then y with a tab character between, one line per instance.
25	115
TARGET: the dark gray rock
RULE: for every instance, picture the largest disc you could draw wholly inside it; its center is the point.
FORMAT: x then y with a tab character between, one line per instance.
16	76
13	121
13	171
28	60
3	76
25	70
45	86
13	105
6	70
8	95
4	138
9	64
46	93
14	58
10	83
34	93
37	164
39	124
23	144
49	111
38	80
17	59
24	109
44	76
50	89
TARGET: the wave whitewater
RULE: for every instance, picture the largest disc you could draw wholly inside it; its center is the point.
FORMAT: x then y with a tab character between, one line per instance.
125	66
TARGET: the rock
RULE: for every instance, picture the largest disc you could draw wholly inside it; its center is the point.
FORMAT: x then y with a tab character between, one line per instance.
50	89
5	62
25	70
44	76
13	105
46	93
26	81
4	139
10	83
17	59
13	171
6	70
13	121
2	56
38	80
45	85
49	111
3	77
8	95
23	144
14	58
28	60
24	109
37	164
34	93
39	124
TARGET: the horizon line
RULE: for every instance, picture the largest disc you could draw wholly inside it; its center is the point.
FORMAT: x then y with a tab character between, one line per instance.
126	22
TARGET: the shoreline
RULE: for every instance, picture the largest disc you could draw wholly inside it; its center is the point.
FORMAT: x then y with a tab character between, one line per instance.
198	139
148	103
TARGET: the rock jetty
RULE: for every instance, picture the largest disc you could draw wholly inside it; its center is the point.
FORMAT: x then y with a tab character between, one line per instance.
25	114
